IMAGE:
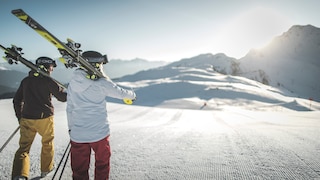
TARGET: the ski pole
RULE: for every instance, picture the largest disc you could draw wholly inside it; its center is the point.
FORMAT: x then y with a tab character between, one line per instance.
65	151
65	163
8	140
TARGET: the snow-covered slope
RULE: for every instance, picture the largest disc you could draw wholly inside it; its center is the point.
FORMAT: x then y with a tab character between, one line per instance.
290	64
165	143
193	83
291	60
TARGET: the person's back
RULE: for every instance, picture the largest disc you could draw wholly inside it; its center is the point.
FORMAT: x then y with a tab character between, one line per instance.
86	106
87	118
36	96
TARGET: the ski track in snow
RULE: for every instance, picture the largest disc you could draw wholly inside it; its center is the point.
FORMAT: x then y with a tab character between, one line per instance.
158	143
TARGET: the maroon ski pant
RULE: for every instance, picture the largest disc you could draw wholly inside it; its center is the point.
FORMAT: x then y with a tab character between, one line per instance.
80	159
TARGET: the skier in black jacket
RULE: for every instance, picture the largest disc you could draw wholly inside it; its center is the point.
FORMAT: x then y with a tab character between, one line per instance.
34	110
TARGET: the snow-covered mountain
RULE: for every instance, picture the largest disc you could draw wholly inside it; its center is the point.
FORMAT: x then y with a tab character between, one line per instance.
218	62
194	83
291	60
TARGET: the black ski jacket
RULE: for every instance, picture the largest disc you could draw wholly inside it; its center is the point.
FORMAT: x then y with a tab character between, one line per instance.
33	97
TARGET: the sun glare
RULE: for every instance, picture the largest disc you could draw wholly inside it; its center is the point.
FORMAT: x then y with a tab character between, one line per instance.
250	29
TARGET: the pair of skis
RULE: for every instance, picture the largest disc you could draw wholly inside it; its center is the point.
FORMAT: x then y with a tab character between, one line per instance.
14	55
70	51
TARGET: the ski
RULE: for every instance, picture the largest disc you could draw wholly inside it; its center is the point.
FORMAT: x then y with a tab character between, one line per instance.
71	54
14	55
70	51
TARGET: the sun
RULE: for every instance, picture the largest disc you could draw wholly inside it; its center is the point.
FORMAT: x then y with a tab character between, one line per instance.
250	29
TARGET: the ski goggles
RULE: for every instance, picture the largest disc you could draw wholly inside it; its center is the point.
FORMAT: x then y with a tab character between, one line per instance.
103	59
45	61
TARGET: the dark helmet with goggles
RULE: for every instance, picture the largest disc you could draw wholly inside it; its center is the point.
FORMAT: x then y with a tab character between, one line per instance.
46	62
95	57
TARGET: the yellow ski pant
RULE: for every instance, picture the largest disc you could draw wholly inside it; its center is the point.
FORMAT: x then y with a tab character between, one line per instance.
28	130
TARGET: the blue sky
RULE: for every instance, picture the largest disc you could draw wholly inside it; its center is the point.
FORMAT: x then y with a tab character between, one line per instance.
166	30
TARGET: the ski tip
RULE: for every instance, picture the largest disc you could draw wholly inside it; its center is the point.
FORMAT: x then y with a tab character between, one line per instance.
127	101
16	11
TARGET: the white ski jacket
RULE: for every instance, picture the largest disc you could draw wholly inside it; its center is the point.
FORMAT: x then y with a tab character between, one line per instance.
86	106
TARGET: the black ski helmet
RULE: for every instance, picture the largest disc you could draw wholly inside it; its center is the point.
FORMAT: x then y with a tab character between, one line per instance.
95	57
46	62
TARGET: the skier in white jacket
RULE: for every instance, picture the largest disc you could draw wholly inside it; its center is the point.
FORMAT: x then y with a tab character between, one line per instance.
87	118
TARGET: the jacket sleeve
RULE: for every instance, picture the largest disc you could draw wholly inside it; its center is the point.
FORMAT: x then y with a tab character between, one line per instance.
18	101
57	91
113	90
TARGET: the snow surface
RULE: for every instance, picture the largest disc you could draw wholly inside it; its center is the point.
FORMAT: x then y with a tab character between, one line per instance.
229	142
